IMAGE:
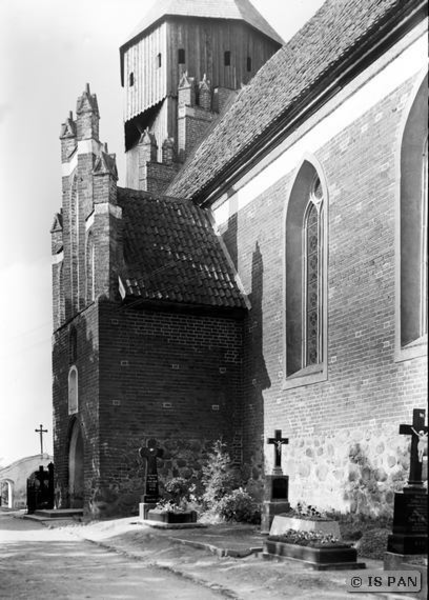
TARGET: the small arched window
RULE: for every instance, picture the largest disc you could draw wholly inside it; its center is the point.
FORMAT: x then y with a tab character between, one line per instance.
73	391
131	79
159	60
249	64
181	56
227	58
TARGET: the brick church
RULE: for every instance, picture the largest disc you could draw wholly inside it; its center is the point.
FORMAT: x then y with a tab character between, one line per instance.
265	266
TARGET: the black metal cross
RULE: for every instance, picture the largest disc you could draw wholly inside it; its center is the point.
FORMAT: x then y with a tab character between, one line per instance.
418	431
278	441
41	431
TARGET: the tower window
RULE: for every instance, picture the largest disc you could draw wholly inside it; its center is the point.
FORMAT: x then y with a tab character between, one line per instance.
181	56
249	64
227	58
131	79
159	60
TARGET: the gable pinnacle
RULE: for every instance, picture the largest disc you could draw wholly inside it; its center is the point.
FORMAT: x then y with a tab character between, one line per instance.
68	128
87	102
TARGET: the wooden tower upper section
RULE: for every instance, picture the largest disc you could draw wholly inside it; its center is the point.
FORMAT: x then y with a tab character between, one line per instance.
223	41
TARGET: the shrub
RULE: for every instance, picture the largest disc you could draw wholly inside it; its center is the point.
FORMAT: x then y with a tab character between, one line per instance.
239	506
177	495
218	477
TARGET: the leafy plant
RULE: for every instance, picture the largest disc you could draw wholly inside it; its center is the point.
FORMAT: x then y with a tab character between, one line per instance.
178	494
218	477
239	506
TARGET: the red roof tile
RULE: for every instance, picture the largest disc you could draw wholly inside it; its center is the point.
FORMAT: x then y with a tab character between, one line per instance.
172	254
335	30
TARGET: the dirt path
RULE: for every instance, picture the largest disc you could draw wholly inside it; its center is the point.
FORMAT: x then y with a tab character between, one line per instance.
39	563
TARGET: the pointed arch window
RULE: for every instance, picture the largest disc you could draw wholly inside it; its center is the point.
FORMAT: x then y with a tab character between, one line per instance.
313	277
305	280
73	391
412	231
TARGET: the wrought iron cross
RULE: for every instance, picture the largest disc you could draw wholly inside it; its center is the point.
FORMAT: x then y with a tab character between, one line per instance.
278	441
41	431
418	431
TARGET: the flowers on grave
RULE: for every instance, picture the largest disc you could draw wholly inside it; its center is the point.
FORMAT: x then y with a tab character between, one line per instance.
178	496
309	538
307	512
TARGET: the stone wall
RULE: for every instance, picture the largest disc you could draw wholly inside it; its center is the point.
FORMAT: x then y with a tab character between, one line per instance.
354	470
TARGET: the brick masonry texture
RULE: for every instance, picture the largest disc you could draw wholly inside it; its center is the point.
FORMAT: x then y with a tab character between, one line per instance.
367	394
145	374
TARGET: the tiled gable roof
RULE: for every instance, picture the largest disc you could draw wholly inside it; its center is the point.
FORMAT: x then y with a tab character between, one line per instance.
172	254
213	9
337	28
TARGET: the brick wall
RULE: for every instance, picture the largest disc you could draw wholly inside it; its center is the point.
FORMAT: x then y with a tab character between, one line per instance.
145	374
174	377
367	394
87	364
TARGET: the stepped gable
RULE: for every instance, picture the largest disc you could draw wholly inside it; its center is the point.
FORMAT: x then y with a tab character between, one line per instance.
208	9
337	29
172	254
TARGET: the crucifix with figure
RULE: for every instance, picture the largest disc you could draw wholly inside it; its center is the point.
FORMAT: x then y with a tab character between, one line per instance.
41	431
419	436
278	441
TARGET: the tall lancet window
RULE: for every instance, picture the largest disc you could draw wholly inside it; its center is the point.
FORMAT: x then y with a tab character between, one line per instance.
412	231
424	246
305	279
313	261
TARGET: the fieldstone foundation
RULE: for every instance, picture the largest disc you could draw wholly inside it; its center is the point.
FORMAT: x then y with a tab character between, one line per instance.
354	470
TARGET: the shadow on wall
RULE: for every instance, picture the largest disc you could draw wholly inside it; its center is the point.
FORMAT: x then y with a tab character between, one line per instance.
256	380
255	377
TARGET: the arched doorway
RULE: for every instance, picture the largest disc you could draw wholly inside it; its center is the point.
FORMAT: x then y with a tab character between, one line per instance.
76	470
6	493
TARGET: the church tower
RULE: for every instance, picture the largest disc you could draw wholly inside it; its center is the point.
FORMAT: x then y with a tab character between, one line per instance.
179	69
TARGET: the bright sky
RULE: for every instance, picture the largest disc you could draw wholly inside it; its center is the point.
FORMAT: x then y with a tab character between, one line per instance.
49	50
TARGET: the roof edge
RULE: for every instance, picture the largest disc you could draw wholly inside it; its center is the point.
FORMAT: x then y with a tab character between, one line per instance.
380	37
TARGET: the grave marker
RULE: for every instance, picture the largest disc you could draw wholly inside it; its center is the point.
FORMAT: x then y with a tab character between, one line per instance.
151	453
276	487
409	533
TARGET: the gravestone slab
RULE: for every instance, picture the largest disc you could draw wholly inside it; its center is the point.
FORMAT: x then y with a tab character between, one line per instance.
151	453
